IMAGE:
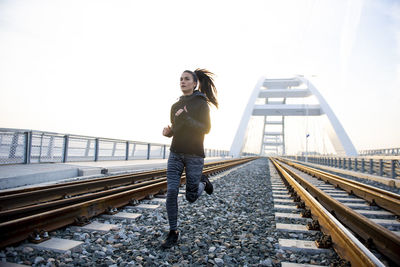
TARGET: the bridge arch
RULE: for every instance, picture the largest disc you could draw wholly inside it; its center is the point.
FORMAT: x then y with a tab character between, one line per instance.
298	87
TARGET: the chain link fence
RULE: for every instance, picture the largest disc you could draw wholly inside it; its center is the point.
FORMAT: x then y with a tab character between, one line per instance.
12	147
27	146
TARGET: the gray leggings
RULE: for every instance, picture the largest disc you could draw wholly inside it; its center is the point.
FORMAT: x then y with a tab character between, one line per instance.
193	167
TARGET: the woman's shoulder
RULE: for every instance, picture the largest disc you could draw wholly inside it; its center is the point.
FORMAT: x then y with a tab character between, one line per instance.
175	105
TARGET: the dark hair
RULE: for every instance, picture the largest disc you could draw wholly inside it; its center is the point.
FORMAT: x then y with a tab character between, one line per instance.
206	86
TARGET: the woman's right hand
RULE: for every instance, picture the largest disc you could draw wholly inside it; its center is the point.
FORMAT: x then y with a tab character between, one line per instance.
167	131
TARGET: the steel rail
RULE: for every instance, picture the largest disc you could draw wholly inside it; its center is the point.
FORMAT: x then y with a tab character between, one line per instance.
20	198
19	229
161	172
15	213
385	241
344	243
385	199
42	187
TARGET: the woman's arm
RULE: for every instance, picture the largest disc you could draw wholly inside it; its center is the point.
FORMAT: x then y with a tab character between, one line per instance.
204	125
167	131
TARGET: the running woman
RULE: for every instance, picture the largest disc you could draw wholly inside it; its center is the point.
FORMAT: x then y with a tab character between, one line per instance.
190	119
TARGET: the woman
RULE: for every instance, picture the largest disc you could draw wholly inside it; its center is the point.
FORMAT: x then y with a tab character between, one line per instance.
190	118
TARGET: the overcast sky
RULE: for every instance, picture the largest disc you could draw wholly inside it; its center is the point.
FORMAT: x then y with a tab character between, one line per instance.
111	68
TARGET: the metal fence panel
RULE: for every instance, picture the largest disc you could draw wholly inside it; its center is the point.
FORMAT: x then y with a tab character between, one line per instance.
81	149
27	146
139	152
156	151
12	147
111	150
46	148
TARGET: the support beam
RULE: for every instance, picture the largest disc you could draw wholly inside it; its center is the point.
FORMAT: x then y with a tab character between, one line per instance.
281	83
273	144
288	93
273	133
287	110
274	122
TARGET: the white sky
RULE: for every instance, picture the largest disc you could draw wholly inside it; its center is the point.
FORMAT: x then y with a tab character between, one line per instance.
112	68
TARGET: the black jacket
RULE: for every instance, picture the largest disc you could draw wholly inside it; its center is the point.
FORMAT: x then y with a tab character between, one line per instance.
189	128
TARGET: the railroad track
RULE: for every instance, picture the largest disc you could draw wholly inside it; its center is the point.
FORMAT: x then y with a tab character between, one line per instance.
32	213
331	209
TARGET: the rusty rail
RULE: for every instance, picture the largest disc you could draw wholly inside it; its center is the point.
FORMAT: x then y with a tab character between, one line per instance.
13	199
27	210
385	241
21	228
385	199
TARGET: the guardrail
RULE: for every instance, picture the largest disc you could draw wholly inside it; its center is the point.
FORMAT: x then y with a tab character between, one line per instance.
383	167
19	146
384	151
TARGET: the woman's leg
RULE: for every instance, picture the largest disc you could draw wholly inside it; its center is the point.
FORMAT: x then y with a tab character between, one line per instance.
174	172
194	169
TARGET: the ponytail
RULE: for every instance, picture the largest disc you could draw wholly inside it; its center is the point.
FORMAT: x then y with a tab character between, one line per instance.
206	86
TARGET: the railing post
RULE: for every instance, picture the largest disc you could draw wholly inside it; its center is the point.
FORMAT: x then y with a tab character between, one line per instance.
127	151
28	147
356	164
65	148
362	165
393	168
41	147
133	150
50	148
380	167
371	166
349	164
13	147
96	149
148	151
88	147
114	149
164	152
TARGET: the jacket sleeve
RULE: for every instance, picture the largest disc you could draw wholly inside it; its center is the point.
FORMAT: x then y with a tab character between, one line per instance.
203	125
172	122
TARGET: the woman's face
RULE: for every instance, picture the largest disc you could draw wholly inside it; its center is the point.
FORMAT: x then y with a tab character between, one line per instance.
187	83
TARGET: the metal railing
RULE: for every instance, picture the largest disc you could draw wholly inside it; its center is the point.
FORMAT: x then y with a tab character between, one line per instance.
19	146
384	151
383	167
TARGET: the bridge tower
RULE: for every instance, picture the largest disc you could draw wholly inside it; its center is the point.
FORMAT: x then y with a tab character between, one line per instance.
274	93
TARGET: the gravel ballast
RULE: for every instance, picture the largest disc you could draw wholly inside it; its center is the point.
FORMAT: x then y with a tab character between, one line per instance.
235	226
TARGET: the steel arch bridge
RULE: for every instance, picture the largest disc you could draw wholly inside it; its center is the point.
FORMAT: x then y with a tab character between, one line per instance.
275	92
